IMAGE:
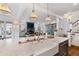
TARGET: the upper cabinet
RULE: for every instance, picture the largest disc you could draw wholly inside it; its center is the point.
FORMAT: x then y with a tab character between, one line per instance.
50	28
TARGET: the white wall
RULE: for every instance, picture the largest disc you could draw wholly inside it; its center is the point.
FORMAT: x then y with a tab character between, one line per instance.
61	23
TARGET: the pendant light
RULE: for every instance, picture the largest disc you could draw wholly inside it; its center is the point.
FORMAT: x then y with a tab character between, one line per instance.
47	17
33	15
4	9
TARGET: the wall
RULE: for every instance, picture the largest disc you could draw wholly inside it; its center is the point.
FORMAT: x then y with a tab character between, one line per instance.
62	24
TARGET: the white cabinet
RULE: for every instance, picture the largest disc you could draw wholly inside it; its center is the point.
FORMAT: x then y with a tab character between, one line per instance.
75	40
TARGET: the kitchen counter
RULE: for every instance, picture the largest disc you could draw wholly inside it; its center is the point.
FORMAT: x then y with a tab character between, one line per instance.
63	45
51	48
42	48
57	39
14	49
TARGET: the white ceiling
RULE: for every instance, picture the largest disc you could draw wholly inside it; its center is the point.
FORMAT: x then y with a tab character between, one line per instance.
23	10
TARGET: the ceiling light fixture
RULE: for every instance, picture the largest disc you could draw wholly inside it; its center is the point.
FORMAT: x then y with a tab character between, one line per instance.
4	9
33	15
47	17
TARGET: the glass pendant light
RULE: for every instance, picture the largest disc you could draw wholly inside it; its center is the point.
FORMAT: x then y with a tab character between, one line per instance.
4	9
47	17
33	15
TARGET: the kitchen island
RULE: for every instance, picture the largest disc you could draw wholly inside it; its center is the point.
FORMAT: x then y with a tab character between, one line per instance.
57	46
48	47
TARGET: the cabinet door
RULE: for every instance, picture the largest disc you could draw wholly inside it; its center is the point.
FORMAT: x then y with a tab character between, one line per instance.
63	48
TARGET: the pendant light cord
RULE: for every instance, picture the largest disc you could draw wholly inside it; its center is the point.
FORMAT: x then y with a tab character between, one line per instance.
47	9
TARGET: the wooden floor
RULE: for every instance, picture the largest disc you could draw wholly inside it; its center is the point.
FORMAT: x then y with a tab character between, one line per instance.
73	51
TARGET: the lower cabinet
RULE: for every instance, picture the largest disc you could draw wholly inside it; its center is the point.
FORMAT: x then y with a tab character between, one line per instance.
63	49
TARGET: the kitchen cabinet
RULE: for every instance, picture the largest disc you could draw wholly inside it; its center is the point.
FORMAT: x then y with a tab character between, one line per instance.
63	49
50	28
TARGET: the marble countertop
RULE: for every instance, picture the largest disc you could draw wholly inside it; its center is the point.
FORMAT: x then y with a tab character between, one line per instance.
30	48
57	39
48	44
14	49
42	47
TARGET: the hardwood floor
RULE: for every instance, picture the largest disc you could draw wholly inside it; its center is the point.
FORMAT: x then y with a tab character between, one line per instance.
73	51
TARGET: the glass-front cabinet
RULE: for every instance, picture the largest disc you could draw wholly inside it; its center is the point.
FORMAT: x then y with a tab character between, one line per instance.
5	30
50	29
